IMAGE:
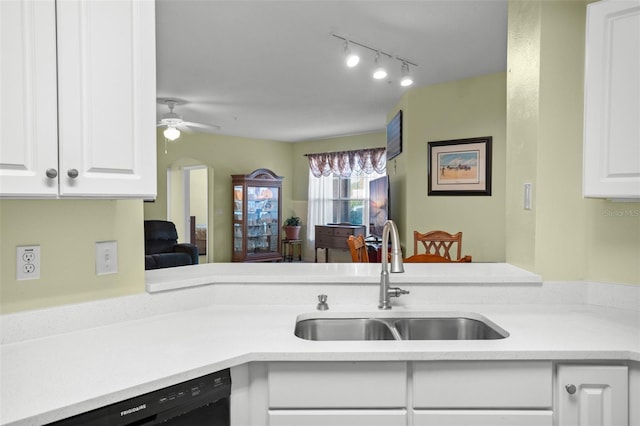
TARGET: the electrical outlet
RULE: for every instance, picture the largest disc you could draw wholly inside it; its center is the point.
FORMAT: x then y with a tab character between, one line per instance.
106	257
27	263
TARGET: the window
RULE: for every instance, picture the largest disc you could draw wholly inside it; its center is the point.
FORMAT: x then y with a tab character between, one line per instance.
349	198
334	199
339	186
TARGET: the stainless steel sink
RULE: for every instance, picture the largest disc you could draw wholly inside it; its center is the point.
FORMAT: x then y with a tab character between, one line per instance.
445	329
399	328
343	329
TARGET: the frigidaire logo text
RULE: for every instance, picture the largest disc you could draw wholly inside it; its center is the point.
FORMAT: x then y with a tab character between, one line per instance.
133	410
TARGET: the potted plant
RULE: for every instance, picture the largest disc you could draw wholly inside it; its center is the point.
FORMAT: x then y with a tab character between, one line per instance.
292	227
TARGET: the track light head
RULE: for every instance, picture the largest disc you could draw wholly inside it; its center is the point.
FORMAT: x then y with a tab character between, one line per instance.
379	72
406	79
351	58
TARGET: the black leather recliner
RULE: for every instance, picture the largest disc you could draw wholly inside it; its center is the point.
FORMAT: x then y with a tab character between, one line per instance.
161	246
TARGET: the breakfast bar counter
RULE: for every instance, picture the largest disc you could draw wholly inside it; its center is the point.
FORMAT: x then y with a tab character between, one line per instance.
62	361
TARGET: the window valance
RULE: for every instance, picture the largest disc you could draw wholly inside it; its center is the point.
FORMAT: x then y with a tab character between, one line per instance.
347	163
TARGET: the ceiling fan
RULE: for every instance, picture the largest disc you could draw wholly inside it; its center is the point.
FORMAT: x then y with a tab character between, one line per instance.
174	123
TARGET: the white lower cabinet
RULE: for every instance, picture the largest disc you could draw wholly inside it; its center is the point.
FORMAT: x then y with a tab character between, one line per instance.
593	395
337	417
482	418
337	385
482	384
337	393
479	393
431	393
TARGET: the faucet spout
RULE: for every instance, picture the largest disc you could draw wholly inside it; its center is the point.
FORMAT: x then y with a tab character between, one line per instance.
386	291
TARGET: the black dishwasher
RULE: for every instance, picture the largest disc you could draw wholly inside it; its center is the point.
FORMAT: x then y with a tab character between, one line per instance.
199	402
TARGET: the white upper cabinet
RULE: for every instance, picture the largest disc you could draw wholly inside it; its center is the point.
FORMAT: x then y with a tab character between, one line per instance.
100	133
612	100
28	104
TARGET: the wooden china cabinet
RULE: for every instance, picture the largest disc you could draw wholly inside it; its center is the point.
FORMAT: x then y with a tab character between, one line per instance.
257	209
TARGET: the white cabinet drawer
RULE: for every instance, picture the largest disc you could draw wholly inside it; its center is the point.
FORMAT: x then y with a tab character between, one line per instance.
482	384
483	418
337	384
338	417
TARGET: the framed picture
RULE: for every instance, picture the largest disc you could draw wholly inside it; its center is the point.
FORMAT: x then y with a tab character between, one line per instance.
460	167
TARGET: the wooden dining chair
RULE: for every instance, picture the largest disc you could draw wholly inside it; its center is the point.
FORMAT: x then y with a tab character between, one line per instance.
434	258
358	249
439	243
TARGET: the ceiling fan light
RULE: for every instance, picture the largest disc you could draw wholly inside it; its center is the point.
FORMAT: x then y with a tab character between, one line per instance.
171	133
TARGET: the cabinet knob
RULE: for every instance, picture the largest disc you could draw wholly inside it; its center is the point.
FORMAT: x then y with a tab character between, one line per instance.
51	173
73	173
571	389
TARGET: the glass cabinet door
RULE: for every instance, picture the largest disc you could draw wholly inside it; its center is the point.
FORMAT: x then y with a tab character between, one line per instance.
262	219
257	207
238	231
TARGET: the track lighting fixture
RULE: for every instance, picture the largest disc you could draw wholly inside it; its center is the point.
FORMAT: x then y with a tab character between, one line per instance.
379	72
351	58
171	133
406	79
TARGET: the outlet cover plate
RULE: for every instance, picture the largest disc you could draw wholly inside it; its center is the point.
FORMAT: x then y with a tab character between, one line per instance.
106	257
27	263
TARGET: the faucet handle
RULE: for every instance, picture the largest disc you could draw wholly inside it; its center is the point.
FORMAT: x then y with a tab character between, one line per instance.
397	291
322	302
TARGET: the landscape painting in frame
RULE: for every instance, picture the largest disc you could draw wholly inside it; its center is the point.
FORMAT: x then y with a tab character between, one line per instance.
460	167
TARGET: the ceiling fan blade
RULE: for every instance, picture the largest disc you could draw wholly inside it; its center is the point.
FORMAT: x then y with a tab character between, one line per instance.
202	126
183	128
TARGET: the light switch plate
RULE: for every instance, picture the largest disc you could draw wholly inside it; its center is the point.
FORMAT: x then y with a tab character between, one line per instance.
106	257
527	196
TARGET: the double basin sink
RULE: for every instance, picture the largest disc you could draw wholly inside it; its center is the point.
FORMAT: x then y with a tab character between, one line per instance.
423	327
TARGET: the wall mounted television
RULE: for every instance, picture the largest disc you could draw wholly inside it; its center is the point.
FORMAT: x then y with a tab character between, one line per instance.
394	136
378	205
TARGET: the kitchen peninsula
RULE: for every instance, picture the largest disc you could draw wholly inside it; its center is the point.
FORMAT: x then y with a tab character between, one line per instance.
195	320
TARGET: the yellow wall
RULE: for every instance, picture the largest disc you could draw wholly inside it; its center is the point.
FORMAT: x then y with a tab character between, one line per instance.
67	231
564	237
226	155
456	110
523	81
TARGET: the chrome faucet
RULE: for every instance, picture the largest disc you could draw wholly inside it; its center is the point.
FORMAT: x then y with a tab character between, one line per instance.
386	292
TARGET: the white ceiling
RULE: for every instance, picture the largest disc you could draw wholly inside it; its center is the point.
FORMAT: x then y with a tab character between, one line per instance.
271	69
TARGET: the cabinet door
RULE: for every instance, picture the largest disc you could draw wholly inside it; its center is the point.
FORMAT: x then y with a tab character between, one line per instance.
482	384
592	395
337	417
483	418
612	100
106	79
337	385
28	110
